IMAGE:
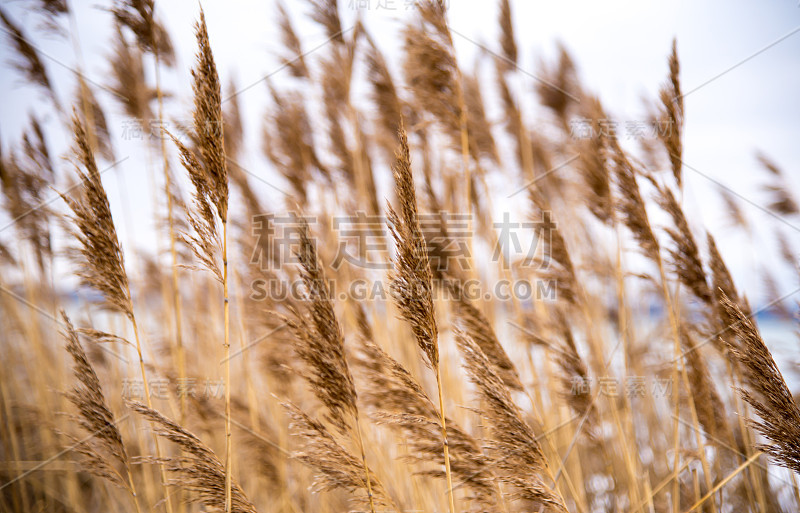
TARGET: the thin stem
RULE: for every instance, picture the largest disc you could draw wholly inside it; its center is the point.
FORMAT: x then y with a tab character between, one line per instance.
725	481
176	298
132	486
445	444
364	462
227	345
673	322
465	163
162	470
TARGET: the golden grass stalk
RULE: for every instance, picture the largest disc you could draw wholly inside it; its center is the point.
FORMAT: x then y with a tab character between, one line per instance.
209	176
634	215
101	261
139	17
411	280
631	451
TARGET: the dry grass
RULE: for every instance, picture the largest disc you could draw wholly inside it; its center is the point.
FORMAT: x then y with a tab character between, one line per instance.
639	383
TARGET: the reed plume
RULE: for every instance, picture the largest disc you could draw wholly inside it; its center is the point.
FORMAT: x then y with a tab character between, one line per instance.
384	95
320	344
337	468
53	7
399	400
430	73
554	262
722	285
102	265
507	41
513	121
480	330
766	391
103	449
336	70
23	179
129	83
782	202
290	145
707	401
326	13
35	148
575	378
631	205
684	255
295	59
411	280
208	124
558	87
139	17
671	116
199	471
320	341
481	140
53	11
594	165
94	118
515	450
28	62
734	210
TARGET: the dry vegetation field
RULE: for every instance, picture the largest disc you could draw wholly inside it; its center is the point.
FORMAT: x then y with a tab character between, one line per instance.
379	340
